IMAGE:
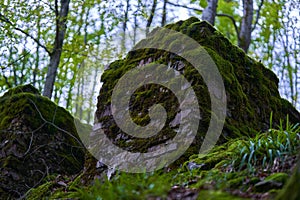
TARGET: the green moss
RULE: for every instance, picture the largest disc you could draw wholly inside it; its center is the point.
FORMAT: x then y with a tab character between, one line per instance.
252	94
22	89
216	195
249	90
236	182
39	133
291	189
39	192
278	177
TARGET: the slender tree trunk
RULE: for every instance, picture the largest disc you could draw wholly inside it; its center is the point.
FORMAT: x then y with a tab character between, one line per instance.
136	25
90	113
14	69
125	27
135	29
164	13
246	25
70	91
37	59
209	13
81	95
61	19
151	16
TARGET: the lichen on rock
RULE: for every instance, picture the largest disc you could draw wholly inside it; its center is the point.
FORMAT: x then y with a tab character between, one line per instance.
37	138
251	90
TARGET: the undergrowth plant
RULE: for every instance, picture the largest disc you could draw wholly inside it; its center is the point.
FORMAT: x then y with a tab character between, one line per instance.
267	149
241	156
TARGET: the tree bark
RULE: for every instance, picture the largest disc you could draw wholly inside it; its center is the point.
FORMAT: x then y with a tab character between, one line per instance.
209	13
151	16
246	25
37	59
123	48
61	19
164	13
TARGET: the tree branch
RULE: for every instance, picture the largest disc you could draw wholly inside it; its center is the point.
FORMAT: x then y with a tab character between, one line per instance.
218	14
232	20
15	61
257	14
4	19
184	6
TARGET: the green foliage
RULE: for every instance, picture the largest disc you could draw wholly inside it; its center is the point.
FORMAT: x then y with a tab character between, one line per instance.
39	192
266	149
224	24
263	153
27	35
278	33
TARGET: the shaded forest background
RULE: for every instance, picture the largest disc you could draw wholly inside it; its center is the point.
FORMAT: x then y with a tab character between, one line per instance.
63	46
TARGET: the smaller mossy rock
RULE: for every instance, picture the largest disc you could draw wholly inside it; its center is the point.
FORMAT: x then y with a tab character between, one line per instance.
278	177
291	189
273	182
22	89
264	186
37	138
236	182
251	91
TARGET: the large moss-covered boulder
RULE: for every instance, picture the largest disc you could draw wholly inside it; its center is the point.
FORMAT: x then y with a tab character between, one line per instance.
37	139
251	91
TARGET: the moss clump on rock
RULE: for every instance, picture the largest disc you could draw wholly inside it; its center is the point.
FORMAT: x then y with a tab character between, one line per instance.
37	138
251	90
291	189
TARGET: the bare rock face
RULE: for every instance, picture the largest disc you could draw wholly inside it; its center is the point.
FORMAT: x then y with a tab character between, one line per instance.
251	92
37	139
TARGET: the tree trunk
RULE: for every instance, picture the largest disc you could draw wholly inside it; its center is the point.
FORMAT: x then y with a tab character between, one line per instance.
37	59
61	19
209	13
164	13
246	25
151	16
123	48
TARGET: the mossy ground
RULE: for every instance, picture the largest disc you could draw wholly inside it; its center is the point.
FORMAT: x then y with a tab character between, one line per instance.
213	176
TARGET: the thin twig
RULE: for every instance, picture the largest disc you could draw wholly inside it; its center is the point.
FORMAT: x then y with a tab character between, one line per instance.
218	14
232	20
15	61
4	19
257	14
184	6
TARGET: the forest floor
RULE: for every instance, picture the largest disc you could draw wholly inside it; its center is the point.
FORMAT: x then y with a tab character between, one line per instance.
244	168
